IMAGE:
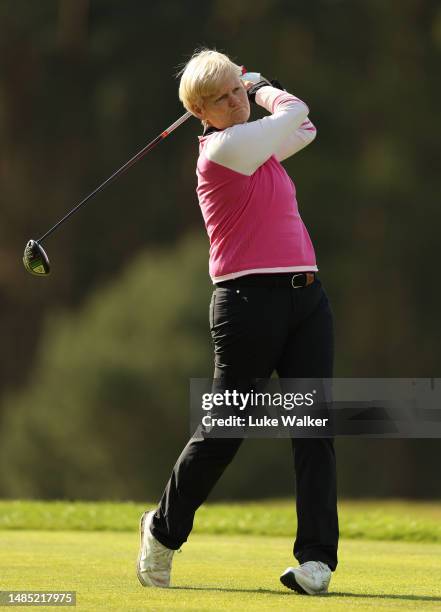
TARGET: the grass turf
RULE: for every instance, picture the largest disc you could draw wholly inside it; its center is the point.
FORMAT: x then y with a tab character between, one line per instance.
218	573
370	520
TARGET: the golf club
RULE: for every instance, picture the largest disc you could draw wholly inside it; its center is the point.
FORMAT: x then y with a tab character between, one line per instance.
35	258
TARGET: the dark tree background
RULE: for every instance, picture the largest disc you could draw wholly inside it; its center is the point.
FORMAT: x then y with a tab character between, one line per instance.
85	84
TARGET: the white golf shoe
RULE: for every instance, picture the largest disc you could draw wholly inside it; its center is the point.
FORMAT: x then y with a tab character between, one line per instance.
310	578
154	560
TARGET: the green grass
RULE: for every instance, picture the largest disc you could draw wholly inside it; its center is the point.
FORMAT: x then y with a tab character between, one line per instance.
232	561
369	520
218	573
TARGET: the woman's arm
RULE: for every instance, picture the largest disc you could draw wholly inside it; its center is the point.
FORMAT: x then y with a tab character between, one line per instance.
297	140
247	146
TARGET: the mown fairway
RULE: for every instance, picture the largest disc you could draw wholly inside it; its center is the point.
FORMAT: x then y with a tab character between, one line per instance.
219	571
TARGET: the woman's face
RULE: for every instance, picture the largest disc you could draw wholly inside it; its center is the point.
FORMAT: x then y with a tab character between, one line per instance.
228	106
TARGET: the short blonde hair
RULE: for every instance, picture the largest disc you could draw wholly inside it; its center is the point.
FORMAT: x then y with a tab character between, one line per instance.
202	74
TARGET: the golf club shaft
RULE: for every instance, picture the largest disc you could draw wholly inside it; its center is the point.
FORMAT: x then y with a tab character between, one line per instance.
121	170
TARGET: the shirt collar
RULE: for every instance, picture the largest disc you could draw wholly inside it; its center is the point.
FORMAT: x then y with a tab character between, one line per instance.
209	129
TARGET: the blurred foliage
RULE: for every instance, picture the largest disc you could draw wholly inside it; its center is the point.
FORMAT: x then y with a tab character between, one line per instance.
84	85
108	399
106	411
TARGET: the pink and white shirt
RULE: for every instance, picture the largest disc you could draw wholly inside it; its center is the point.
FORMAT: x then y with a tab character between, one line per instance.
247	199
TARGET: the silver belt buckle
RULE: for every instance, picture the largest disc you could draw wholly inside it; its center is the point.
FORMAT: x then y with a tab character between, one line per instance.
294	286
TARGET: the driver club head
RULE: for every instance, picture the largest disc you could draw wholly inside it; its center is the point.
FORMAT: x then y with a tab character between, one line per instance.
35	259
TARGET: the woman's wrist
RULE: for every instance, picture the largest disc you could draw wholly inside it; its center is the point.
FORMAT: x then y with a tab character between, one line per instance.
263	83
255	88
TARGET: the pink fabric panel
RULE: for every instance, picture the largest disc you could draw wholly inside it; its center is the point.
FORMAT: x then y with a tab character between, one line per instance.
253	222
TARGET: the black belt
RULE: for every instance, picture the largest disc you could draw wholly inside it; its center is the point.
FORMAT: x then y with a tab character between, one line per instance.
295	280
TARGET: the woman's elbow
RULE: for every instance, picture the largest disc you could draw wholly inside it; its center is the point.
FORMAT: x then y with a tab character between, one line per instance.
309	131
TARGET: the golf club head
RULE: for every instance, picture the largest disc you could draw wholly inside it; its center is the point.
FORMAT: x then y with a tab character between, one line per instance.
35	259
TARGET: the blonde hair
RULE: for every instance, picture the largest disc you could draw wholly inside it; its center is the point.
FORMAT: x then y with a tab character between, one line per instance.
202	74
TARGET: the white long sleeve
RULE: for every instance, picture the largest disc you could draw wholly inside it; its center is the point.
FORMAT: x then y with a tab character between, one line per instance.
246	146
297	140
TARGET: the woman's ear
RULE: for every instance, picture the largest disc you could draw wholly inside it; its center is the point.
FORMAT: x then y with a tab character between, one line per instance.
198	110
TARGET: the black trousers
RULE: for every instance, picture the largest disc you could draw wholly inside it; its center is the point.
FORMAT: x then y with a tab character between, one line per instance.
256	330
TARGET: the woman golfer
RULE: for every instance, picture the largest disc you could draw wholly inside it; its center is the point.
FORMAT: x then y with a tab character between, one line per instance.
268	311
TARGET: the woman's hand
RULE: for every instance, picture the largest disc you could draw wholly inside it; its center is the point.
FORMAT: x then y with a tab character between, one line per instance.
247	84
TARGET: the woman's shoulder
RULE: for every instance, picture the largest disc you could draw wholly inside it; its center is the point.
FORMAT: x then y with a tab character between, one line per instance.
222	145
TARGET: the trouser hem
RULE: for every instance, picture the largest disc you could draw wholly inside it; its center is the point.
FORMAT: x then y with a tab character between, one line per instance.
167	542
